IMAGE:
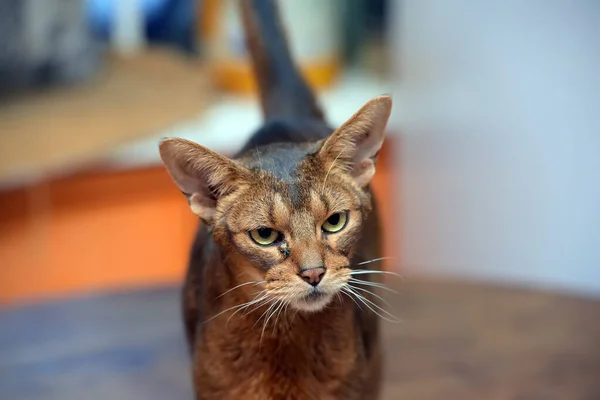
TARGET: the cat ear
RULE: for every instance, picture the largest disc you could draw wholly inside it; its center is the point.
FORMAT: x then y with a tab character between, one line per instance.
354	146
201	174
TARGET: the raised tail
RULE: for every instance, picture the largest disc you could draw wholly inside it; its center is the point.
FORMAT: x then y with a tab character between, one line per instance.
282	89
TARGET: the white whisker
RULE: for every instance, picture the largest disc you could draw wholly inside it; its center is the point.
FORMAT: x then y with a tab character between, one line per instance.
263	298
372	284
351	298
375	260
339	297
238	286
281	310
370	271
259	305
247	304
368	303
372	294
271	301
277	304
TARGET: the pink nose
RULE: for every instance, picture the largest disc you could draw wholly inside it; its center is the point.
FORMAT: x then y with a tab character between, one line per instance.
312	276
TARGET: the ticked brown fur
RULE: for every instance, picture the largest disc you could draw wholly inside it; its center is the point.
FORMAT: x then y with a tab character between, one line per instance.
255	328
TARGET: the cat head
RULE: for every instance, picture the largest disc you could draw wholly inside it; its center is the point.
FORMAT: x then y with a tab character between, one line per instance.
288	216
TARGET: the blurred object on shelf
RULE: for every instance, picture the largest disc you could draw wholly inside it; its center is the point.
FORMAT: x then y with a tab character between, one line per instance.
363	29
313	32
175	24
375	58
374	54
44	43
165	22
128	30
353	29
132	98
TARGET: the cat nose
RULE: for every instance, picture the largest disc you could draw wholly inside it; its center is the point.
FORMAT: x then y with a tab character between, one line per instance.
312	276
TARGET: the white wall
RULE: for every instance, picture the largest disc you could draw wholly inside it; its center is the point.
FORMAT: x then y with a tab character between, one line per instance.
498	103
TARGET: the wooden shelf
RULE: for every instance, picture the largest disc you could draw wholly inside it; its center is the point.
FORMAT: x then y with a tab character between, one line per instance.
129	99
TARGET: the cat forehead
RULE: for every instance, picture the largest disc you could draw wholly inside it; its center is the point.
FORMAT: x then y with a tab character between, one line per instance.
277	199
291	206
283	161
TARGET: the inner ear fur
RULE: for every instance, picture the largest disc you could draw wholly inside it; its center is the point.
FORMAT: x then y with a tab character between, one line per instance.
201	174
354	146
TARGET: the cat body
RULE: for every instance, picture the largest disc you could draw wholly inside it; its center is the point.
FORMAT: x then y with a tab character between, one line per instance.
332	354
268	300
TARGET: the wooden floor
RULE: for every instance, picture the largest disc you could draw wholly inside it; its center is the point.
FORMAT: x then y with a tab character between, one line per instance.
457	341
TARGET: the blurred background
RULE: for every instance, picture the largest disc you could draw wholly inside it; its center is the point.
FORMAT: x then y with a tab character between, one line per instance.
488	184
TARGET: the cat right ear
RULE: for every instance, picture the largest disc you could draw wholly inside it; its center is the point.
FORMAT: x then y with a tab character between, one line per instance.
201	174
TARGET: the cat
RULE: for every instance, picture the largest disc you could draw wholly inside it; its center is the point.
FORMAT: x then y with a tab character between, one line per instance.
269	301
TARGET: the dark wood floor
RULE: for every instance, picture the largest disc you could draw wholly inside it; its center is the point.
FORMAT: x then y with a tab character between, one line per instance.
457	341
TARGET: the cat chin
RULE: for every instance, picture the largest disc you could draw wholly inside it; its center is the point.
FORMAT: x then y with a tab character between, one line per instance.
312	305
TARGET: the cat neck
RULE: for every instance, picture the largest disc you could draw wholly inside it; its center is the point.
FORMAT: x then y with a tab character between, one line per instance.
288	354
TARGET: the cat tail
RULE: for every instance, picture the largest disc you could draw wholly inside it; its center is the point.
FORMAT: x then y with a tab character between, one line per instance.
283	91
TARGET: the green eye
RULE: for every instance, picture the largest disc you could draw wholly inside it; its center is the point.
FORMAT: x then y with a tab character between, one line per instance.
336	222
264	236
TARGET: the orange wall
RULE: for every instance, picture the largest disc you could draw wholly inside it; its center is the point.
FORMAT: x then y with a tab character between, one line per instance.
105	230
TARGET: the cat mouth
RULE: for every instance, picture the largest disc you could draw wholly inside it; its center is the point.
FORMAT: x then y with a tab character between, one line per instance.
314	295
313	301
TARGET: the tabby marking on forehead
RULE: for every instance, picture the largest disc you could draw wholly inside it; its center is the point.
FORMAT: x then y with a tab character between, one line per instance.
280	210
318	204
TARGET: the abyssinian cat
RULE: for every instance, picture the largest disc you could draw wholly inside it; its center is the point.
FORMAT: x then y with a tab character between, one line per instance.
273	303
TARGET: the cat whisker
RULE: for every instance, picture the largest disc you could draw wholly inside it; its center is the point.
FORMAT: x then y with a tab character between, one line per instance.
365	301
276	312
351	298
372	294
374	260
277	305
282	310
368	303
257	306
264	297
391	317
273	301
247	304
339	297
373	271
270	302
285	302
238	286
372	284
263	294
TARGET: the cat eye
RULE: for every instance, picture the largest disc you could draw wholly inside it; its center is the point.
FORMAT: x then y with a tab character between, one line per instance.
336	222
265	236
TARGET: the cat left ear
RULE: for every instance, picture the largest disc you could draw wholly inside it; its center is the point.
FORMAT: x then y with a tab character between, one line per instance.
354	146
201	174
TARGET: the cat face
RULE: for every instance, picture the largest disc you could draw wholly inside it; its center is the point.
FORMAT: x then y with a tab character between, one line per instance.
290	215
297	234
